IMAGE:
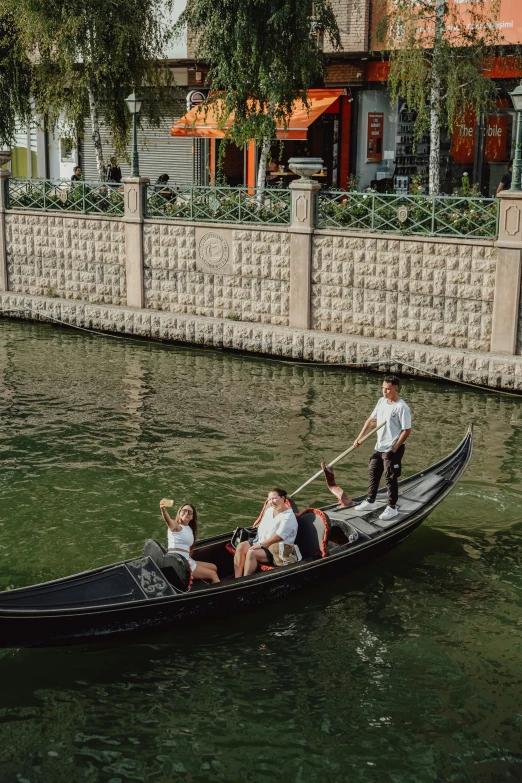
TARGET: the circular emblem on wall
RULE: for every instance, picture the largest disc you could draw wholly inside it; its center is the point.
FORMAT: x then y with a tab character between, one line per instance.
213	250
402	214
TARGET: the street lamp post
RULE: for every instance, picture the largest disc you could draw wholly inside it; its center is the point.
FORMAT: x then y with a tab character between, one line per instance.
516	97
134	102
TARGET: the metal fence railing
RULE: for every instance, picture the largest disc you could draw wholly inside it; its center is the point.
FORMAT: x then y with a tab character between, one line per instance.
104	198
216	204
444	216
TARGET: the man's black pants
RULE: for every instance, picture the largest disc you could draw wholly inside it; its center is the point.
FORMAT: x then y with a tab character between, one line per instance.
391	465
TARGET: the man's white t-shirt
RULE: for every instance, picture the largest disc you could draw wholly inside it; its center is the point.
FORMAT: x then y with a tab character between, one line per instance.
397	417
283	525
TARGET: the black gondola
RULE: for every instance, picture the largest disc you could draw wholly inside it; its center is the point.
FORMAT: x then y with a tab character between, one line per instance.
151	592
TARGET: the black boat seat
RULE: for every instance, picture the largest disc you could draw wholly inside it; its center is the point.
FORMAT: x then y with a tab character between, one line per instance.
313	530
341	532
174	567
362	526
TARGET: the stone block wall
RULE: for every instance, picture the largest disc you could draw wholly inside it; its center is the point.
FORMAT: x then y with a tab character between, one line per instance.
436	293
416	290
519	329
66	256
255	289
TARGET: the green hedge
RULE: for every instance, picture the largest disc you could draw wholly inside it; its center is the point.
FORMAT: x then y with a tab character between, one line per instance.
81	197
220	206
440	216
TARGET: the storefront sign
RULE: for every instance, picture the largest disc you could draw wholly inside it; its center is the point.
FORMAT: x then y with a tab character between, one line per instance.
375	136
495	147
463	139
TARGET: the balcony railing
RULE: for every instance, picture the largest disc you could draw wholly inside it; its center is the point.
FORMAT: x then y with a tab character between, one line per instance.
442	216
218	204
103	198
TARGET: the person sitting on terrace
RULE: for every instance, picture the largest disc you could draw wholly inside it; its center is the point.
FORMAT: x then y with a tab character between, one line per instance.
273	174
162	187
182	536
162	180
278	524
77	174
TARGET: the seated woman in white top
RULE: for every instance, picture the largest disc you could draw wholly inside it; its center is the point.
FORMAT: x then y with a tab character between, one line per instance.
279	523
182	536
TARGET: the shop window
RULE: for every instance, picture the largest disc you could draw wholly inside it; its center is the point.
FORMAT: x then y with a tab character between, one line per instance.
67	148
411	157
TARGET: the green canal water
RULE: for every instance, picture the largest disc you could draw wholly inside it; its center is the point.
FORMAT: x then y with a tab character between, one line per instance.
406	671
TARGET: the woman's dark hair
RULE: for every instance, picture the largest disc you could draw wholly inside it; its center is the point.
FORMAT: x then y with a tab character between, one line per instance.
281	492
163	178
193	524
393	380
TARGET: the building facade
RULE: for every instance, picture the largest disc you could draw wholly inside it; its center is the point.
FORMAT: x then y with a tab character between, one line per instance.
359	134
381	153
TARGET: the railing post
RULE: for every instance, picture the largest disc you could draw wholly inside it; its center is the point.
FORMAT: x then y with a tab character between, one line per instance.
4	184
133	219
508	277
301	230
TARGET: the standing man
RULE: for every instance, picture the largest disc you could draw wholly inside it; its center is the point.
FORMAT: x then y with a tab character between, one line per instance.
389	449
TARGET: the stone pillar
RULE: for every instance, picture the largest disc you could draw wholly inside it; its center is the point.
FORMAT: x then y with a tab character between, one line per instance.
301	235
134	196
508	278
4	178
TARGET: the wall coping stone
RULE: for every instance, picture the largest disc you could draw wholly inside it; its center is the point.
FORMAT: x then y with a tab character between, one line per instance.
263	227
64	213
494	370
216	226
339	232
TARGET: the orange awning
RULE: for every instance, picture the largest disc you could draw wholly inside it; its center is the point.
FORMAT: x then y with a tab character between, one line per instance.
204	125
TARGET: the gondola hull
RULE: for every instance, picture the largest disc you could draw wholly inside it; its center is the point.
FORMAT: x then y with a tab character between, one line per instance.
130	598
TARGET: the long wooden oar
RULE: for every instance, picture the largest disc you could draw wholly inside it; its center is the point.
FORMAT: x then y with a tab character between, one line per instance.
320	472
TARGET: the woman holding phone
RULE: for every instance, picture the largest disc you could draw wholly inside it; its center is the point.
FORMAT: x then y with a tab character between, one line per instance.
182	534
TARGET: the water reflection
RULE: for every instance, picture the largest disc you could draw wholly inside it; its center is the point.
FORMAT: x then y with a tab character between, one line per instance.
407	670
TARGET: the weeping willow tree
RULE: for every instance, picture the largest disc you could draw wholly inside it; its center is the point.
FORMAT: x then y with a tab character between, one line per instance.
15	80
438	50
263	56
87	56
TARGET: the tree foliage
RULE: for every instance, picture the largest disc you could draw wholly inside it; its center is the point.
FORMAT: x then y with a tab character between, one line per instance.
438	50
92	53
262	56
15	79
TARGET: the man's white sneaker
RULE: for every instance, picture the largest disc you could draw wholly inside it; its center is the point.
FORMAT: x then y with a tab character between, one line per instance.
365	506
388	513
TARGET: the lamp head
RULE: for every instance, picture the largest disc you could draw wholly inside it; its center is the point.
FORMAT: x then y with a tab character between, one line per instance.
516	97
134	102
